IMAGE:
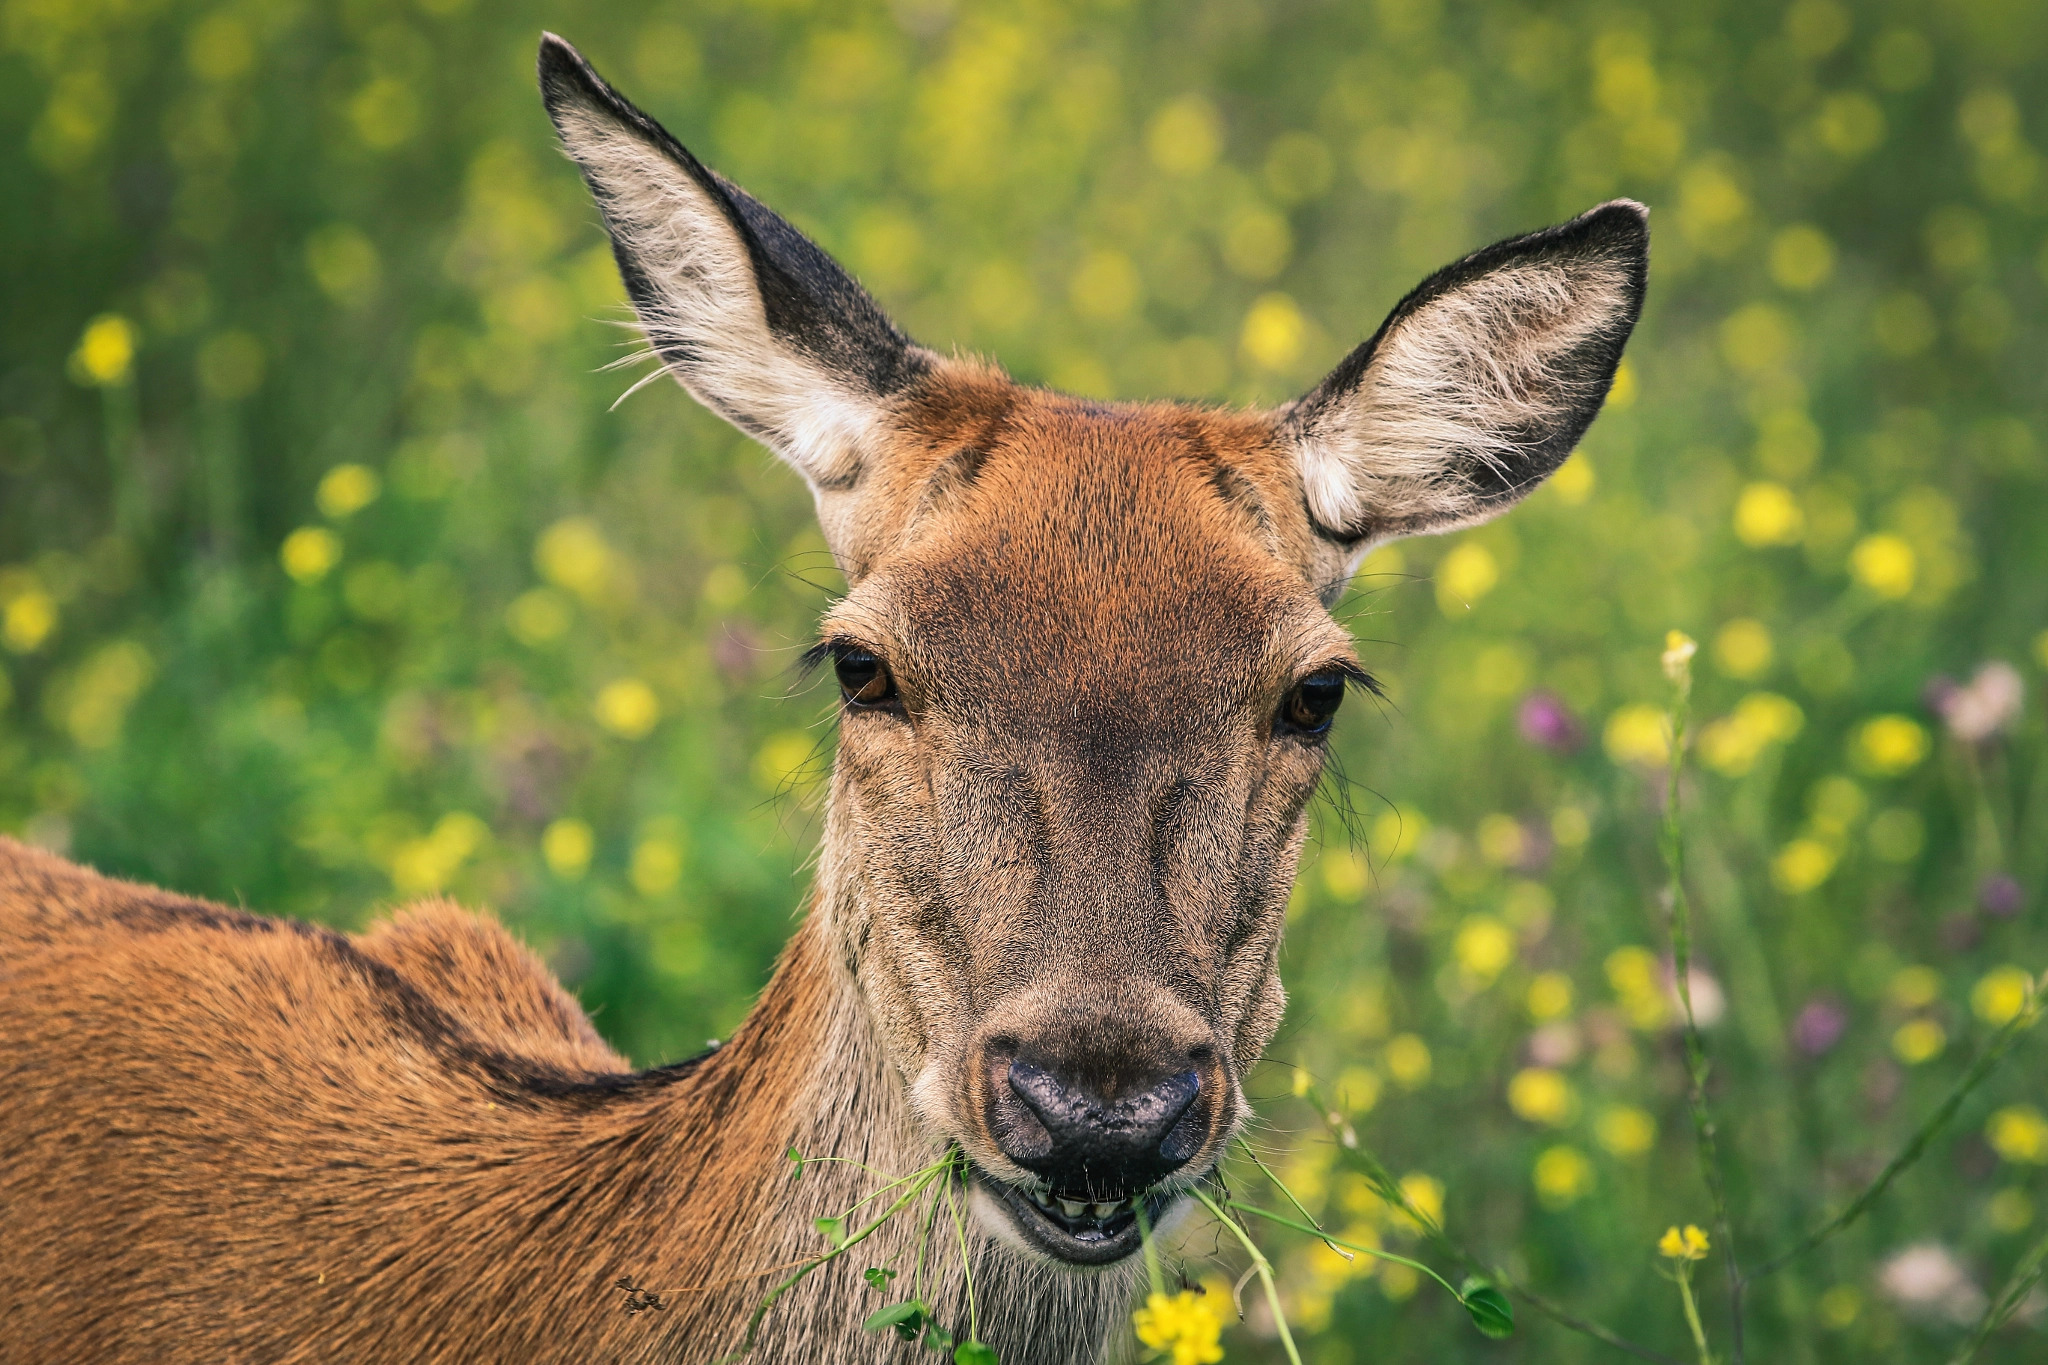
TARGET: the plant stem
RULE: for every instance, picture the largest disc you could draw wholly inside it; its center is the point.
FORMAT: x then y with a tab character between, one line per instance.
1384	1182
1673	843
1281	1186
1264	1268
966	1270
1151	1257
761	1310
2001	1043
2006	1302
1376	1252
1692	1315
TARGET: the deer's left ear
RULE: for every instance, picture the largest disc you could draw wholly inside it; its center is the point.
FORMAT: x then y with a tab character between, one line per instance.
1476	386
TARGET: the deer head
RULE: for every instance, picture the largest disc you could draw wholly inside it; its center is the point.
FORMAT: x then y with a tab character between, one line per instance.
1086	663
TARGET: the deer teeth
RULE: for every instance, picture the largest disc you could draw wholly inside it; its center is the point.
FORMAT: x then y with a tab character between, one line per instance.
1073	1208
1102	1211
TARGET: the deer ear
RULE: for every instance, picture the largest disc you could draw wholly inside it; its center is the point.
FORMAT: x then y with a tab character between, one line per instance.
1476	386
760	325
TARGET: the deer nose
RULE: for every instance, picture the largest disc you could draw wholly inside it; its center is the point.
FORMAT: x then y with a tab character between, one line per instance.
1103	1142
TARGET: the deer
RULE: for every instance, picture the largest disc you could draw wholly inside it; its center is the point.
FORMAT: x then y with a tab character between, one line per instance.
1087	672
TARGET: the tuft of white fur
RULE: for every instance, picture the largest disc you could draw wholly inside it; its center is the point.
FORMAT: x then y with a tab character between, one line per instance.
1456	381
706	319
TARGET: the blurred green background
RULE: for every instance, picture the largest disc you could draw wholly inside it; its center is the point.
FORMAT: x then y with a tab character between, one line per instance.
329	576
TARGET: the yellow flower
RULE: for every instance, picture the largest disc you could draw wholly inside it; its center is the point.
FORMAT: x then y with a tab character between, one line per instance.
628	708
1562	1176
1802	865
1182	1328
1767	514
1884	564
1484	947
1687	1245
1919	1040
1541	1095
1889	745
347	489
2000	996
1626	1131
106	352
1408	1062
567	845
2019	1134
309	552
1638	735
1466	574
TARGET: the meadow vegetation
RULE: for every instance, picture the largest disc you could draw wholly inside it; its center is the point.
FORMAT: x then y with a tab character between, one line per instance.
330	576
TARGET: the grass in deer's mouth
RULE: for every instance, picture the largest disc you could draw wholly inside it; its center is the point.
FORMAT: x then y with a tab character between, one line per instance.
912	1318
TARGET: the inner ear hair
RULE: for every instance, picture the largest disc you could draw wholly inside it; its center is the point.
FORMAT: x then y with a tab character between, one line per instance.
751	316
1477	385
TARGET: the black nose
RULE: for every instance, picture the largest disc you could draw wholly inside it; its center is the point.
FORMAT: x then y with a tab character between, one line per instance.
1088	1142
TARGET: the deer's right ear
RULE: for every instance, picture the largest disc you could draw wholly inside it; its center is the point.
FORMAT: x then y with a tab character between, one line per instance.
757	322
1477	385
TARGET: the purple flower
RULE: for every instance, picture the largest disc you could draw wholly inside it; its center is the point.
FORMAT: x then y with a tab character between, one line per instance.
1819	1027
1548	723
2000	894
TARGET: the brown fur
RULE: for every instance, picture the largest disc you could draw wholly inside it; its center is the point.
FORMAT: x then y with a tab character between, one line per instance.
1073	827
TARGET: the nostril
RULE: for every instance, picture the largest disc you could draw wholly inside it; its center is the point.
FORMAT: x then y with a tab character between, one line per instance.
1143	1134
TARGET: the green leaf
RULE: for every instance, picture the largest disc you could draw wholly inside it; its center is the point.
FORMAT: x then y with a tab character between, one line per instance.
905	1317
878	1277
937	1338
974	1353
834	1230
1491	1312
798	1158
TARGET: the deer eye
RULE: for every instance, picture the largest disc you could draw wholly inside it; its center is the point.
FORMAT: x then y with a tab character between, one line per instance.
1313	703
863	678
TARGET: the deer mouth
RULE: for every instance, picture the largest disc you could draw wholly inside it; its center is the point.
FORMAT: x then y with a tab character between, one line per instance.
1090	1232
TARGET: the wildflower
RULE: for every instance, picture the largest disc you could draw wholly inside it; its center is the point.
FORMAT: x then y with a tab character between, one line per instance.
2019	1134
1928	1276
347	489
1638	736
1183	1328
1484	947
1767	514
106	351
1562	1175
2000	895
1890	745
567	845
1919	1040
1626	1131
1688	1244
1743	648
1408	1062
1550	996
1990	702
1541	1095
1885	564
309	552
1546	722
1677	659
1819	1027
1802	865
628	708
2000	995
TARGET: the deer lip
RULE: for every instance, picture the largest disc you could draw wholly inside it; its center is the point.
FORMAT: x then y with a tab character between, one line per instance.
1090	1233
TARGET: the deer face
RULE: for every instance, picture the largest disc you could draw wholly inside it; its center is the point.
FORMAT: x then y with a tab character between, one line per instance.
1086	662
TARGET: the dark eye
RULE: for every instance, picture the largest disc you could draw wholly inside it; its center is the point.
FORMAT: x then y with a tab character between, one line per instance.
1314	701
863	677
